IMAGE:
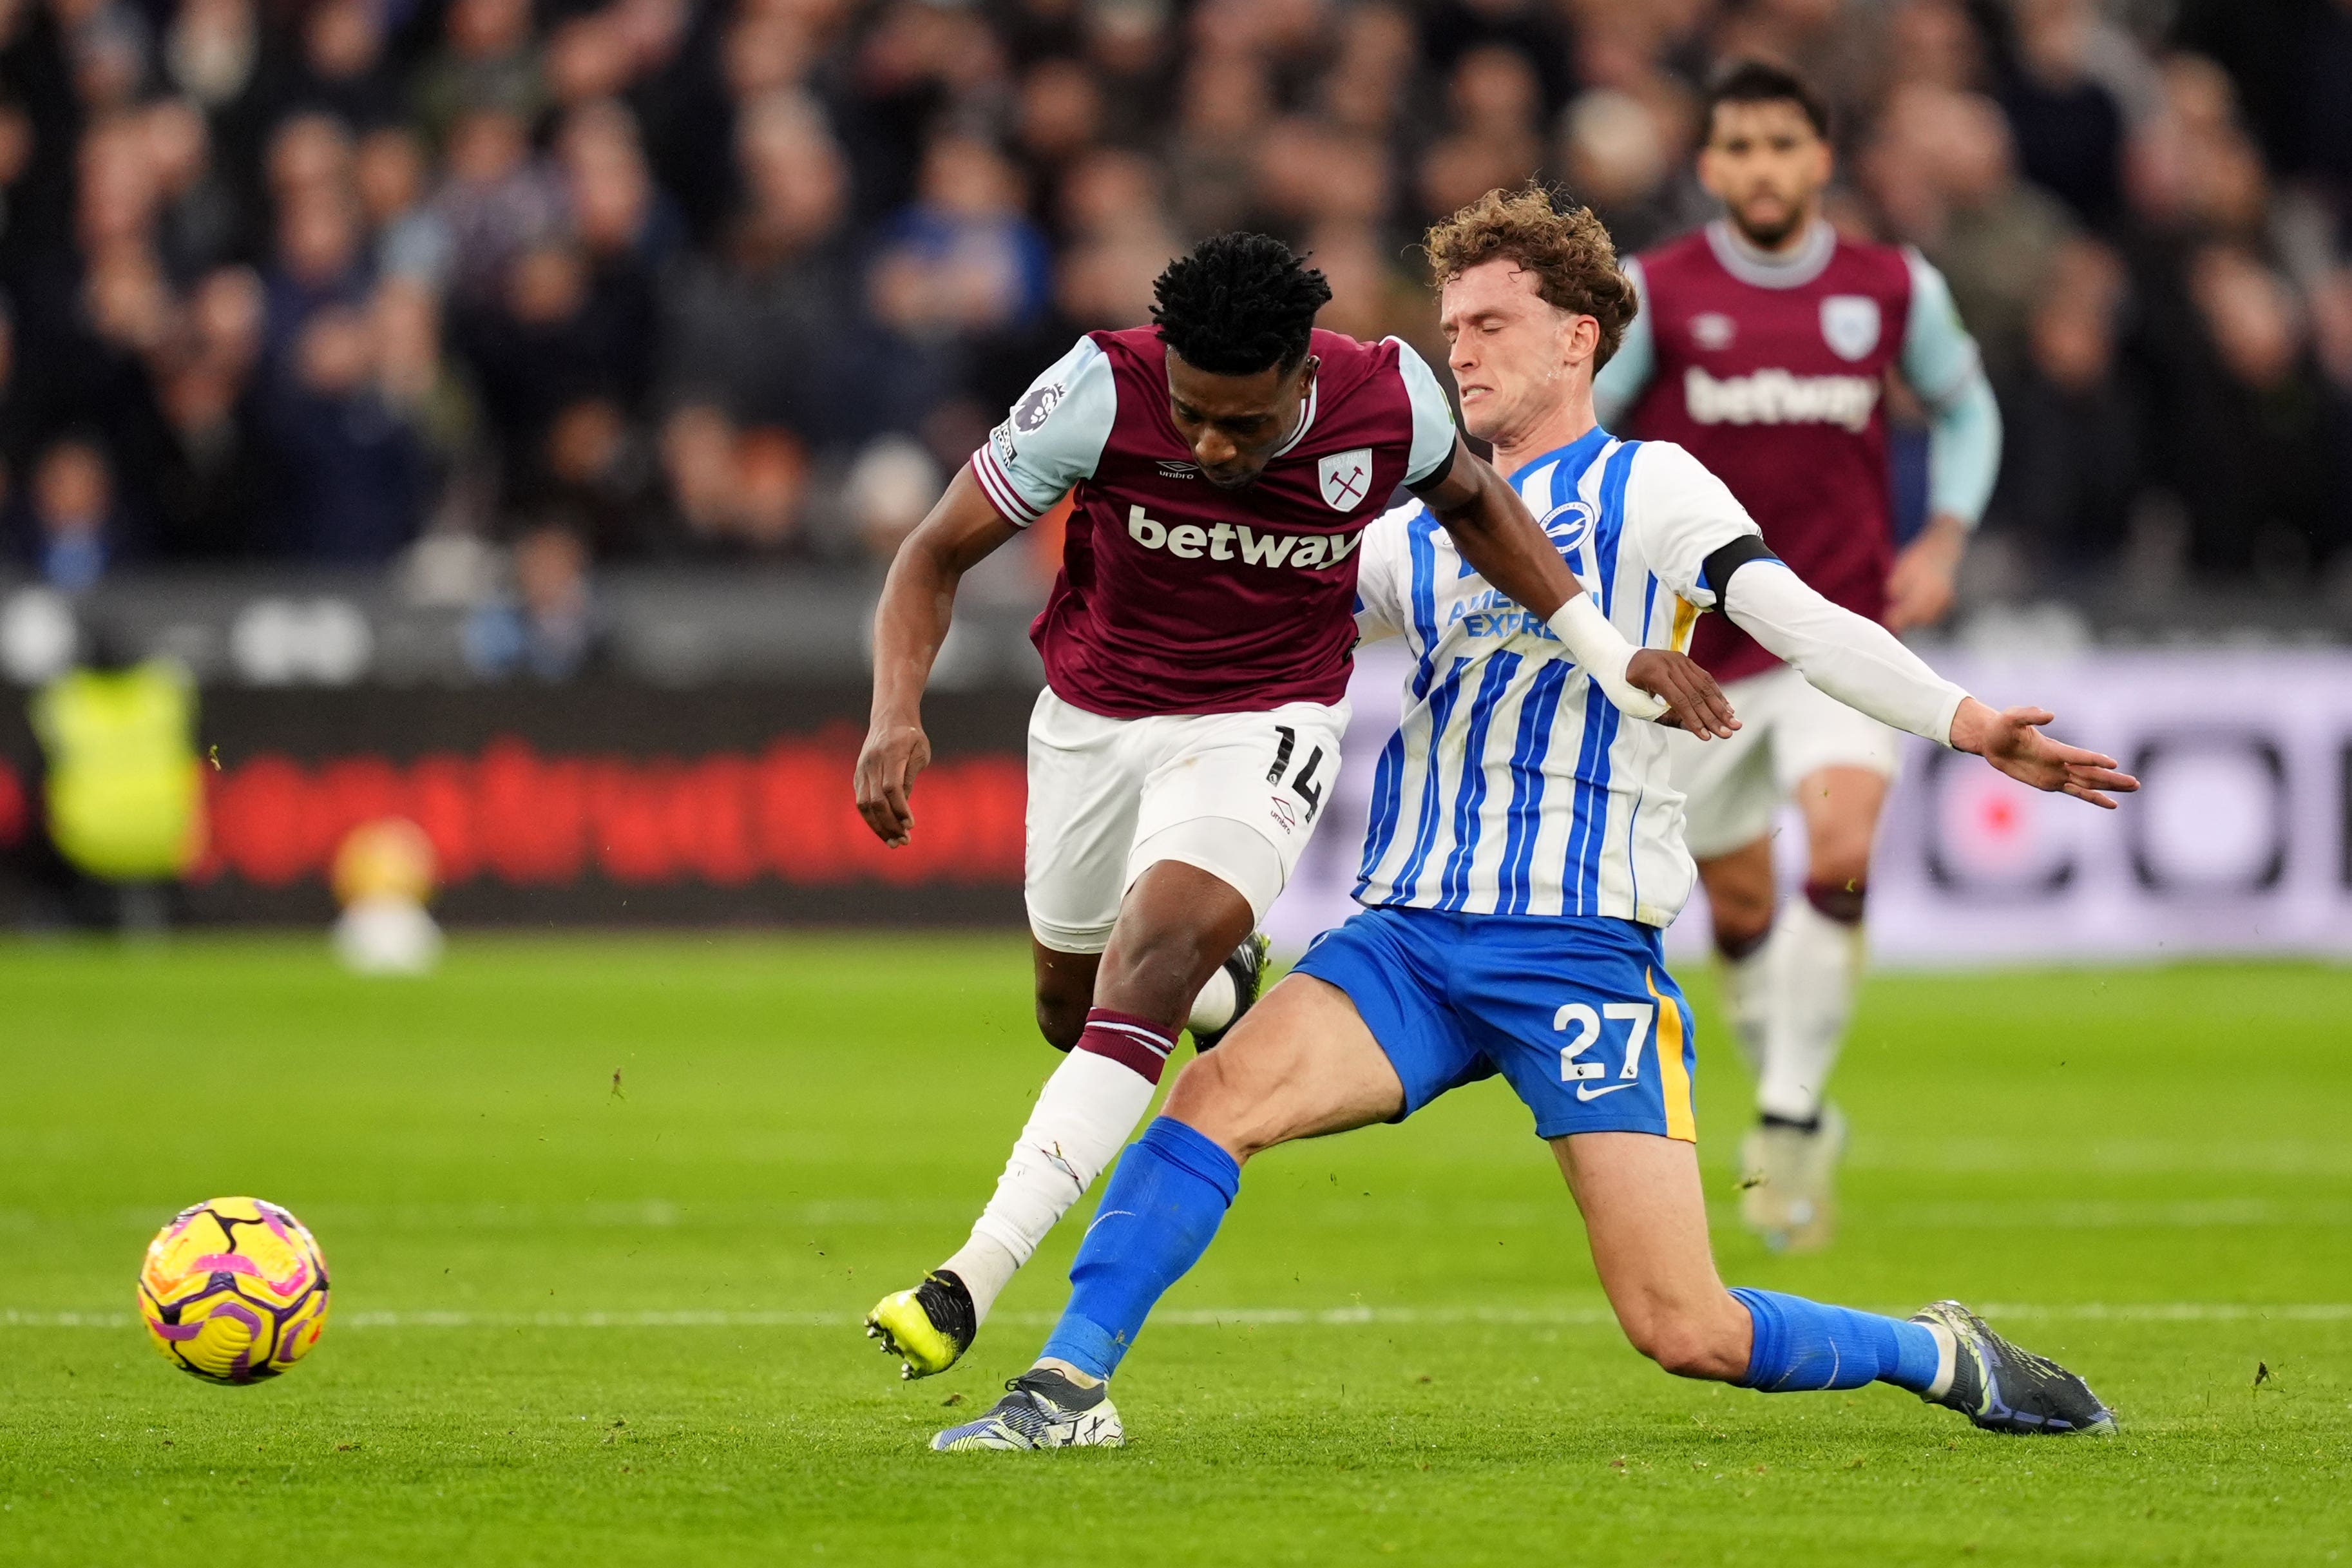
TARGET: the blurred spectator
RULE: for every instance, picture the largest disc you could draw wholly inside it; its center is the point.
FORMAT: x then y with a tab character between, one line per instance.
2263	492
964	259
342	70
2071	458
495	200
547	628
1497	100
1213	155
1625	165
354	471
1943	167
597	468
410	240
2069	128
486	66
319	259
74	533
767	329
550	339
891	488
199	216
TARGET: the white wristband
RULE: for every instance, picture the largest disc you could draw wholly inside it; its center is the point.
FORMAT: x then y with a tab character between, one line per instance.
1604	653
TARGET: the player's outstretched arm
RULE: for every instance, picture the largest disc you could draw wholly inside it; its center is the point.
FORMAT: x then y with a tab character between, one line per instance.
1504	543
910	624
1862	664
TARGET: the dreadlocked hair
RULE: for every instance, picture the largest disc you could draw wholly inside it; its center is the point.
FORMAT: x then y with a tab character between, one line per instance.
1238	304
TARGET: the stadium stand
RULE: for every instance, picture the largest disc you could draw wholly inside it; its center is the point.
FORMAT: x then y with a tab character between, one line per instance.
479	303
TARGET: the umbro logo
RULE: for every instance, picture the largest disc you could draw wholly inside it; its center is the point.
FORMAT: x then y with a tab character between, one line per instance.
1169	471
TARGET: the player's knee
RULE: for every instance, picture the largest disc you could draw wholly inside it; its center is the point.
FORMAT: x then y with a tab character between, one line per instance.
1205	1097
1742	917
1686	1344
1061	1019
1841	859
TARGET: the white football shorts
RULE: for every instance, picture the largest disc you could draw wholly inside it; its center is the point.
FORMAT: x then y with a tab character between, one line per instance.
1237	794
1734	788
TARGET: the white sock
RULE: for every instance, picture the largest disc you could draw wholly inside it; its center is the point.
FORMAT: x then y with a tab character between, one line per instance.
1947	1356
1745	984
1213	1008
1083	1118
1815	970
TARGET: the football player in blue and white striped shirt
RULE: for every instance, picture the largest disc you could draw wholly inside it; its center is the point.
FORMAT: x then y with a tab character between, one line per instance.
1524	855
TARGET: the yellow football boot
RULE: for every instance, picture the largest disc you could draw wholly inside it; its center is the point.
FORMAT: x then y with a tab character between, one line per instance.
927	1328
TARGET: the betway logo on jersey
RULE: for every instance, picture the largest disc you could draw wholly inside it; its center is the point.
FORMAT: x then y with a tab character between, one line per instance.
1777	397
1238	541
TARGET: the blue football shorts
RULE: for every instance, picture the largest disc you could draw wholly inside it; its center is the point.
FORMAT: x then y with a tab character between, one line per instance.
1580	1014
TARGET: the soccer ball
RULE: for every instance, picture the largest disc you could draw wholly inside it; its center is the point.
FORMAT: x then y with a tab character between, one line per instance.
233	1290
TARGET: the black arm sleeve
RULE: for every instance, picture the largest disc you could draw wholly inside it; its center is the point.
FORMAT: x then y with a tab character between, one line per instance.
1716	569
1436	476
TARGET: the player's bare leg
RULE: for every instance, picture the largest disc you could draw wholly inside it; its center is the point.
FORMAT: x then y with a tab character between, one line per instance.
1178	926
1306	1065
1740	896
1301	1064
1645	1217
1791	997
1066	989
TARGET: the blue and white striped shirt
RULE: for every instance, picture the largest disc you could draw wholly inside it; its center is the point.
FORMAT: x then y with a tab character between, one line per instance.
1512	785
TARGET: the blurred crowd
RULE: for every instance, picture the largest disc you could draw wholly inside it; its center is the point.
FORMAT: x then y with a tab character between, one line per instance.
317	281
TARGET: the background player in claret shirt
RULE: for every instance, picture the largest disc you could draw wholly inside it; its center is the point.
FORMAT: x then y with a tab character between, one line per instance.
1764	347
1523	855
1222	465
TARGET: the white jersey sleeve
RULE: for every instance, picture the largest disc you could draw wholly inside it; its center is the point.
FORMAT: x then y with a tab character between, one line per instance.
1384	574
1853	659
1052	437
1681	514
1432	416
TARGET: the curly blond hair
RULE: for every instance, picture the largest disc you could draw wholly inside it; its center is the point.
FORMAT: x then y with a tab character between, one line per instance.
1571	255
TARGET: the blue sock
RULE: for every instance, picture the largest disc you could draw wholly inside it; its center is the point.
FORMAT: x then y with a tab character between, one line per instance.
1802	1344
1158	1214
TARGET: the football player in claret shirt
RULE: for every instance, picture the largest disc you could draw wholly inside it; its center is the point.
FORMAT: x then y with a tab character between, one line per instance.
1222	465
1764	347
1523	857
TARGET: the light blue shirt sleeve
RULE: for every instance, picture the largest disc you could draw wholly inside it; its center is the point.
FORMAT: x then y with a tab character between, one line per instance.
1433	416
1620	382
1052	437
1940	361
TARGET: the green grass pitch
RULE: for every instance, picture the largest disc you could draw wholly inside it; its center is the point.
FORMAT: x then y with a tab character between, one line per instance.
580	1319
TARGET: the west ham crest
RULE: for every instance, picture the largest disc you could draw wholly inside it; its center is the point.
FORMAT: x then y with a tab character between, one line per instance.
1346	477
1850	325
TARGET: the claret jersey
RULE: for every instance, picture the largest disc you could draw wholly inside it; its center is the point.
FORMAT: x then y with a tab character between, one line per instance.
1773	373
1176	596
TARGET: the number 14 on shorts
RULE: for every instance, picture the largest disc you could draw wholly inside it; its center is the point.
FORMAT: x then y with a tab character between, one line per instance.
1637	1016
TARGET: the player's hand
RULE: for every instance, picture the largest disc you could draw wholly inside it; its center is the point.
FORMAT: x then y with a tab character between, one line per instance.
1919	589
887	765
2012	741
1694	702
